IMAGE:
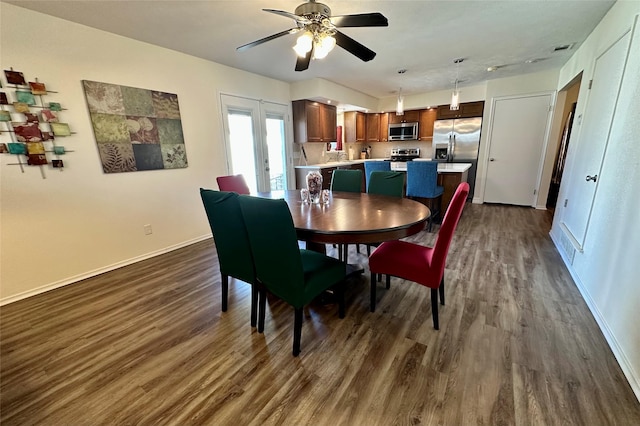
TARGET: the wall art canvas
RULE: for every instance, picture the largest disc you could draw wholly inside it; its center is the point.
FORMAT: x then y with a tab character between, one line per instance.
135	129
5	115
60	129
46	136
31	118
17	148
3	148
57	164
55	106
26	97
49	116
3	99
27	132
37	88
21	107
15	77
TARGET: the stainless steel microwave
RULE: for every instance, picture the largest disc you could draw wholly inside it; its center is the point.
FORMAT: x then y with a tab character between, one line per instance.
403	132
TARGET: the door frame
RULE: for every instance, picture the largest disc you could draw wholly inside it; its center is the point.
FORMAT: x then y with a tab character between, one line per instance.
260	134
543	148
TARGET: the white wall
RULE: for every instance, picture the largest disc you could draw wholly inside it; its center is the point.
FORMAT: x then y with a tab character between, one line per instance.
607	269
81	221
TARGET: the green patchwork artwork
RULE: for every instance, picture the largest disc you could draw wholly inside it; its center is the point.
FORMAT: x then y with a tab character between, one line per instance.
135	129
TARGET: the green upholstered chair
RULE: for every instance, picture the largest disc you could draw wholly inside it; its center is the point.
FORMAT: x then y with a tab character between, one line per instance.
346	180
232	243
385	183
295	275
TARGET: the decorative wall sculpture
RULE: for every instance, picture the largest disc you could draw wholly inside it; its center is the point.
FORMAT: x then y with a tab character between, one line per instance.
28	124
135	129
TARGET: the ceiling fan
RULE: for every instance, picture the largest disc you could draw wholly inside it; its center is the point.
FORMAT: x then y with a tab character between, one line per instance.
320	32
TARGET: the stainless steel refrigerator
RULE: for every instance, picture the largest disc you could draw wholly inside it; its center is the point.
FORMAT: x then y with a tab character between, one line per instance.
458	141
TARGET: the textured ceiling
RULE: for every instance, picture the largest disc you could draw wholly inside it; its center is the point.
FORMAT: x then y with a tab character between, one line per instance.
423	37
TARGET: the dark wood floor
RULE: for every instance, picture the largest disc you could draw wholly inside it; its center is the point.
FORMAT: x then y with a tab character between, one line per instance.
147	344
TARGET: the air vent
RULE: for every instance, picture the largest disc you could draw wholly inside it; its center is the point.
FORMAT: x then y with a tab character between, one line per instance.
563	47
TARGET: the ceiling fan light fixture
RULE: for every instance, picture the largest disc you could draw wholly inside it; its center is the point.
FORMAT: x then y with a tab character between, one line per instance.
303	44
323	46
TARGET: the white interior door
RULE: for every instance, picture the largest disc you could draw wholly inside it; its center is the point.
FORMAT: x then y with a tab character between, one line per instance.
519	131
257	142
593	139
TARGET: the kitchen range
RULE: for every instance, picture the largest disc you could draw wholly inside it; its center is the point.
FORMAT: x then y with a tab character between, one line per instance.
399	156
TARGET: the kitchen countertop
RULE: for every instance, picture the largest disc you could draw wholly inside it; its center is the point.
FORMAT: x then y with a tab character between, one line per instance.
442	167
398	166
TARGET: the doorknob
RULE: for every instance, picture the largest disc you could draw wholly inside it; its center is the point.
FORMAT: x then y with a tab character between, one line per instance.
592	178
492	159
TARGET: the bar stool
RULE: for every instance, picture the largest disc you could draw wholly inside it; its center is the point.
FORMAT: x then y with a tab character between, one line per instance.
422	185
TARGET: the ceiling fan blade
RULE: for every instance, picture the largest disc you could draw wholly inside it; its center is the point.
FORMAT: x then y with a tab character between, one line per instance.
300	19
269	38
303	63
360	20
353	47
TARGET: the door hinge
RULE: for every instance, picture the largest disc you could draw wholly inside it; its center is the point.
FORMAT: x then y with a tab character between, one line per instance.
535	191
566	201
590	84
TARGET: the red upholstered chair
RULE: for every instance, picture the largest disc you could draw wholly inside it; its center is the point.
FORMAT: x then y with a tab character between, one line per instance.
234	183
420	264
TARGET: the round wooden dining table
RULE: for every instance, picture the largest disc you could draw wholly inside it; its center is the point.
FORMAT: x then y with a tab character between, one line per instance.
350	217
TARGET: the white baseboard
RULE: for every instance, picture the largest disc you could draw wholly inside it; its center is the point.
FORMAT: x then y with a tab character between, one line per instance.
98	271
623	361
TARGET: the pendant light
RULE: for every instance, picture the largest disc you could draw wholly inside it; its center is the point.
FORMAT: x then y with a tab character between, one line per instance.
400	103
455	96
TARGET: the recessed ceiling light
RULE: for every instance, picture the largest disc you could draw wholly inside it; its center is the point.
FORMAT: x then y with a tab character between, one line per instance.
492	68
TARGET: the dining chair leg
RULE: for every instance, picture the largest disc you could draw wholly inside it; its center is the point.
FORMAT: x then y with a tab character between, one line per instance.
225	291
297	331
441	289
254	305
345	253
341	306
388	281
262	305
372	303
434	307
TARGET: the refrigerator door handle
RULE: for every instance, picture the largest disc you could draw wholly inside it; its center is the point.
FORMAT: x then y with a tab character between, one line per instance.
453	146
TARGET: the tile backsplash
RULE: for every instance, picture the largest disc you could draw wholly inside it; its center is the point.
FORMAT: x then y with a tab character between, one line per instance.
317	152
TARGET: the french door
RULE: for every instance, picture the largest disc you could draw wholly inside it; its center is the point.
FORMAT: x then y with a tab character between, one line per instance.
257	142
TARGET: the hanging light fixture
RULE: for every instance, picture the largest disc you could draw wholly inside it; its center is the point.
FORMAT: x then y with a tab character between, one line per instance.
455	96
303	44
400	103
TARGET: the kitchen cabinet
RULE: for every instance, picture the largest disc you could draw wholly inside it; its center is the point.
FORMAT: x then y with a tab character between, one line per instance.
466	110
425	126
313	122
412	116
377	127
355	126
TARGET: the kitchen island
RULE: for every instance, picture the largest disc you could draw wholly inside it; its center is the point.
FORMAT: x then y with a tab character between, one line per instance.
450	175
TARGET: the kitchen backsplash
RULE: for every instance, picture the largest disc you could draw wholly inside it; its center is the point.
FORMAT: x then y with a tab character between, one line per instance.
317	153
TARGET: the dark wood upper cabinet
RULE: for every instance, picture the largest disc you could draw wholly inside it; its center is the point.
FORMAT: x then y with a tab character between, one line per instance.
384	127
313	122
466	110
411	116
373	127
355	126
425	126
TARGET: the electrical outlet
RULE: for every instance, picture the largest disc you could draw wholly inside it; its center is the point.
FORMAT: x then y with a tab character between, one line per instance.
148	230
